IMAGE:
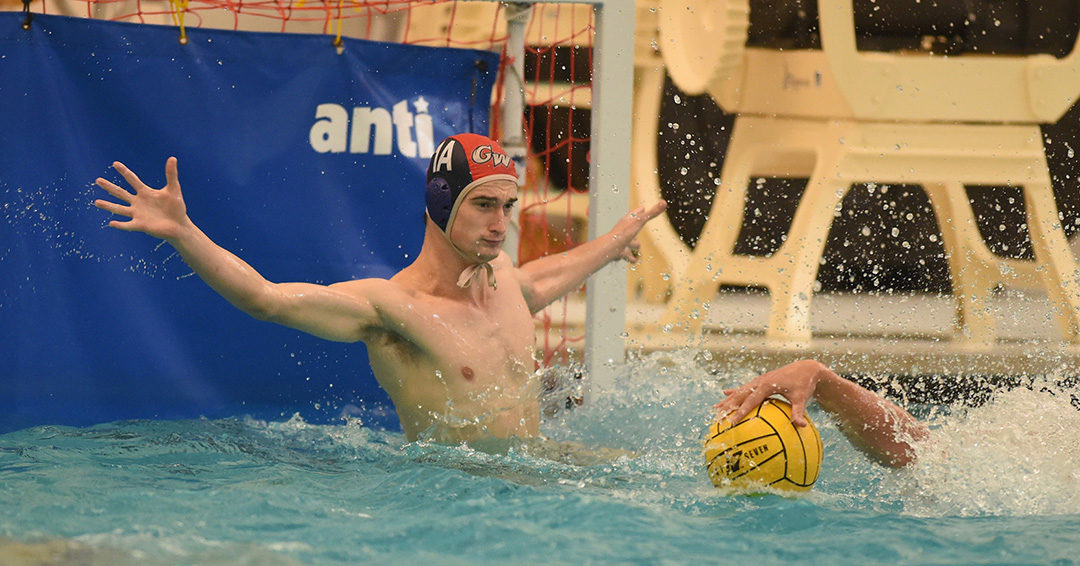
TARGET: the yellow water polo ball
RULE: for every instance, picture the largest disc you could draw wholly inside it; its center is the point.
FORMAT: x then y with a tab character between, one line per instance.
764	449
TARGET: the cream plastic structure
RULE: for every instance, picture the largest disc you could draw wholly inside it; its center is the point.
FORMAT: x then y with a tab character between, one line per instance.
841	117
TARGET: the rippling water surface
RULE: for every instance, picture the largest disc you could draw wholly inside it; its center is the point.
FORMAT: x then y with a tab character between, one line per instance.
995	484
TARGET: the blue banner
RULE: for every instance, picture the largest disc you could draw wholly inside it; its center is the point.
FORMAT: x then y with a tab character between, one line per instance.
306	162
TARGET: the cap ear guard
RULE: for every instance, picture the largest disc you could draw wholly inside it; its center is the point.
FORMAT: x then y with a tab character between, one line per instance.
440	201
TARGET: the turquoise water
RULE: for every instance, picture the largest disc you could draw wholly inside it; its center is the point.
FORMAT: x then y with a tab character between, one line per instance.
997	484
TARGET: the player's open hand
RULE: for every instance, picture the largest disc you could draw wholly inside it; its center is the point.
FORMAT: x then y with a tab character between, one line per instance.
629	226
158	212
796	382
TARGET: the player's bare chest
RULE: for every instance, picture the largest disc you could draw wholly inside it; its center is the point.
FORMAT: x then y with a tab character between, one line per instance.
473	327
463	348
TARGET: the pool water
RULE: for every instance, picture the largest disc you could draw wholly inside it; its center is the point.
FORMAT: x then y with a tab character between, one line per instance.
999	483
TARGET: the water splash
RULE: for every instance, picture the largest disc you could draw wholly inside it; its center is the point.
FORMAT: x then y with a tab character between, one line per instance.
1016	455
58	216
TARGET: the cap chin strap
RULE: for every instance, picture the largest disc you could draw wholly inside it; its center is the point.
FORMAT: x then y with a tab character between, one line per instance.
474	272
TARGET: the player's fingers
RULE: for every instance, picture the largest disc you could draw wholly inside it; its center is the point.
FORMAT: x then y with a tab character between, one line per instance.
172	177
645	213
130	176
730	406
748	404
113	207
127	226
798	414
114	190
732	398
656	209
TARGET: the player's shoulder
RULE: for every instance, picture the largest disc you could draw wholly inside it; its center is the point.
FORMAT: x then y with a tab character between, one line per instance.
503	262
371	288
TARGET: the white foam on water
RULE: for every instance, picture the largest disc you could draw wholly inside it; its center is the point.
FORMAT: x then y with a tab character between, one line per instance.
1016	455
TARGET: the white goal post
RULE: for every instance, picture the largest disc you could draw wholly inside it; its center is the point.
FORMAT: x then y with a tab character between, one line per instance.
609	184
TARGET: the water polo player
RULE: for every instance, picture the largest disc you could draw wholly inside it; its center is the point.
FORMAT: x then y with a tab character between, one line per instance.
451	336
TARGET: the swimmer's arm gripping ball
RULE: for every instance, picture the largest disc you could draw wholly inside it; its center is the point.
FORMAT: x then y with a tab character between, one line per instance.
764	449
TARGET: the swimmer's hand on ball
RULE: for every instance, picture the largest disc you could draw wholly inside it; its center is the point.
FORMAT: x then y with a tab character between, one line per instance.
158	212
875	425
796	382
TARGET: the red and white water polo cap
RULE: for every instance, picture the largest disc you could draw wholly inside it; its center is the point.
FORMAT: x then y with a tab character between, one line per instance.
460	163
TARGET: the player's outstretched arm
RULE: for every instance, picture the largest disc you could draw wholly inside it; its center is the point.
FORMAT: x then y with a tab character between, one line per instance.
547	279
335	312
878	427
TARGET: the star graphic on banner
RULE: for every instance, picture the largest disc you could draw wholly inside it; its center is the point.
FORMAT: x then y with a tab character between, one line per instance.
421	105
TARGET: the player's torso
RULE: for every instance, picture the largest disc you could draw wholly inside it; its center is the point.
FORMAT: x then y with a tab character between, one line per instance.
461	370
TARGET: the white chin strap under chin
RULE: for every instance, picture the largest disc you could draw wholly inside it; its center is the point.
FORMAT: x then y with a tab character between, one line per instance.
474	272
